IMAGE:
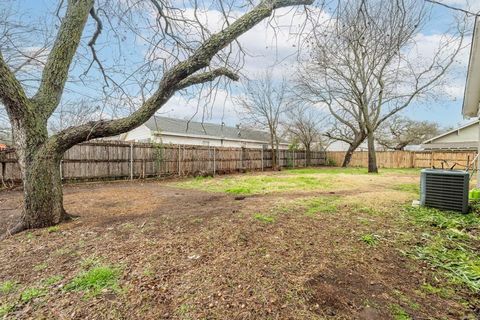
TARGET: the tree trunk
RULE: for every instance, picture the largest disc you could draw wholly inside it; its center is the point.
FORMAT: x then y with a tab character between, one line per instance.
308	154
274	154
351	149
42	188
372	157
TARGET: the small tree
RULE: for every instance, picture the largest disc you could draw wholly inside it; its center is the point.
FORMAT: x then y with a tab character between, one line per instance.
399	132
264	103
304	125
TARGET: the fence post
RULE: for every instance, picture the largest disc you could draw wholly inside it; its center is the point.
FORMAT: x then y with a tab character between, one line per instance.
294	158
178	156
131	160
262	157
214	162
305	157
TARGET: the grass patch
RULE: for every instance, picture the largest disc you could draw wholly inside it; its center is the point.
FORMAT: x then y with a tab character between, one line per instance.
52	280
407	187
8	287
95	280
31	293
53	229
264	218
258	184
446	293
5	309
320	205
399	313
40	267
450	244
370	239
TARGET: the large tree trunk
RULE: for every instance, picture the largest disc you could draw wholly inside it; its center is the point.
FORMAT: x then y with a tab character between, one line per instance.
372	157
42	185
43	197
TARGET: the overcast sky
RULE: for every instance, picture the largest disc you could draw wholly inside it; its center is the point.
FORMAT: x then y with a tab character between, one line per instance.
267	50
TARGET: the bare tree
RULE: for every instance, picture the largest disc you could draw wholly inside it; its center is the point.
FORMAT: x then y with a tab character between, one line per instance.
362	67
398	132
263	103
304	123
186	54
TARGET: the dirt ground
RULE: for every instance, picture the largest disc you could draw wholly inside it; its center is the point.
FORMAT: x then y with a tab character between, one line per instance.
192	254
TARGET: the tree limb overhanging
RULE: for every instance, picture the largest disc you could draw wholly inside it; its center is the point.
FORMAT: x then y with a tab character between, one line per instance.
39	153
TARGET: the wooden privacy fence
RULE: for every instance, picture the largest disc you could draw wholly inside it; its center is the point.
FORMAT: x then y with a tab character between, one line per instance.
124	160
408	159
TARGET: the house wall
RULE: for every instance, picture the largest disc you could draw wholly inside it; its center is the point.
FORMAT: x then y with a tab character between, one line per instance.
143	134
469	133
140	134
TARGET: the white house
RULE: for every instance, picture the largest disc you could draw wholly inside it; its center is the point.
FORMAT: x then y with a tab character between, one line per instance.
176	131
463	138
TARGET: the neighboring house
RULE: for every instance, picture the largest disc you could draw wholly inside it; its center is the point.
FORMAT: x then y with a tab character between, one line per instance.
177	131
463	138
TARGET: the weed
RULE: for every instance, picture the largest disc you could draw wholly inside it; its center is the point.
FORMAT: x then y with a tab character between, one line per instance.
370	239
449	246
90	262
238	190
52	280
399	313
31	293
442	292
40	267
7	287
5	309
462	266
95	280
264	218
53	229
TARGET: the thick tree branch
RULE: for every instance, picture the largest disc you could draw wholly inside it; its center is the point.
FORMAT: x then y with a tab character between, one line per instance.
58	63
173	79
12	95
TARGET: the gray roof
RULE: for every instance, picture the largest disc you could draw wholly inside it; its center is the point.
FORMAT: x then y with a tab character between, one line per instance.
164	124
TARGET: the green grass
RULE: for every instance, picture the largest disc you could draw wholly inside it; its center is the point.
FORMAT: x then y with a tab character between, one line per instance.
40	267
31	293
258	184
446	293
370	239
408	187
52	280
7	287
399	313
448	243
5	309
264	218
53	229
95	280
320	205
349	170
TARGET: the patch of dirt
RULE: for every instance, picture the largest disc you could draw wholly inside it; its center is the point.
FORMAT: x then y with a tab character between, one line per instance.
189	254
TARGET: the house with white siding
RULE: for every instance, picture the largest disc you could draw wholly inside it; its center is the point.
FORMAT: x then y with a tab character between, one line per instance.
177	131
464	138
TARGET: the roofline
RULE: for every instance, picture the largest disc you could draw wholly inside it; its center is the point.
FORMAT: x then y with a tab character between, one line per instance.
472	86
451	131
167	133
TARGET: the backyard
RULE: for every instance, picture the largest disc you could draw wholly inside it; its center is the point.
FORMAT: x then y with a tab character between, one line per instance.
323	243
